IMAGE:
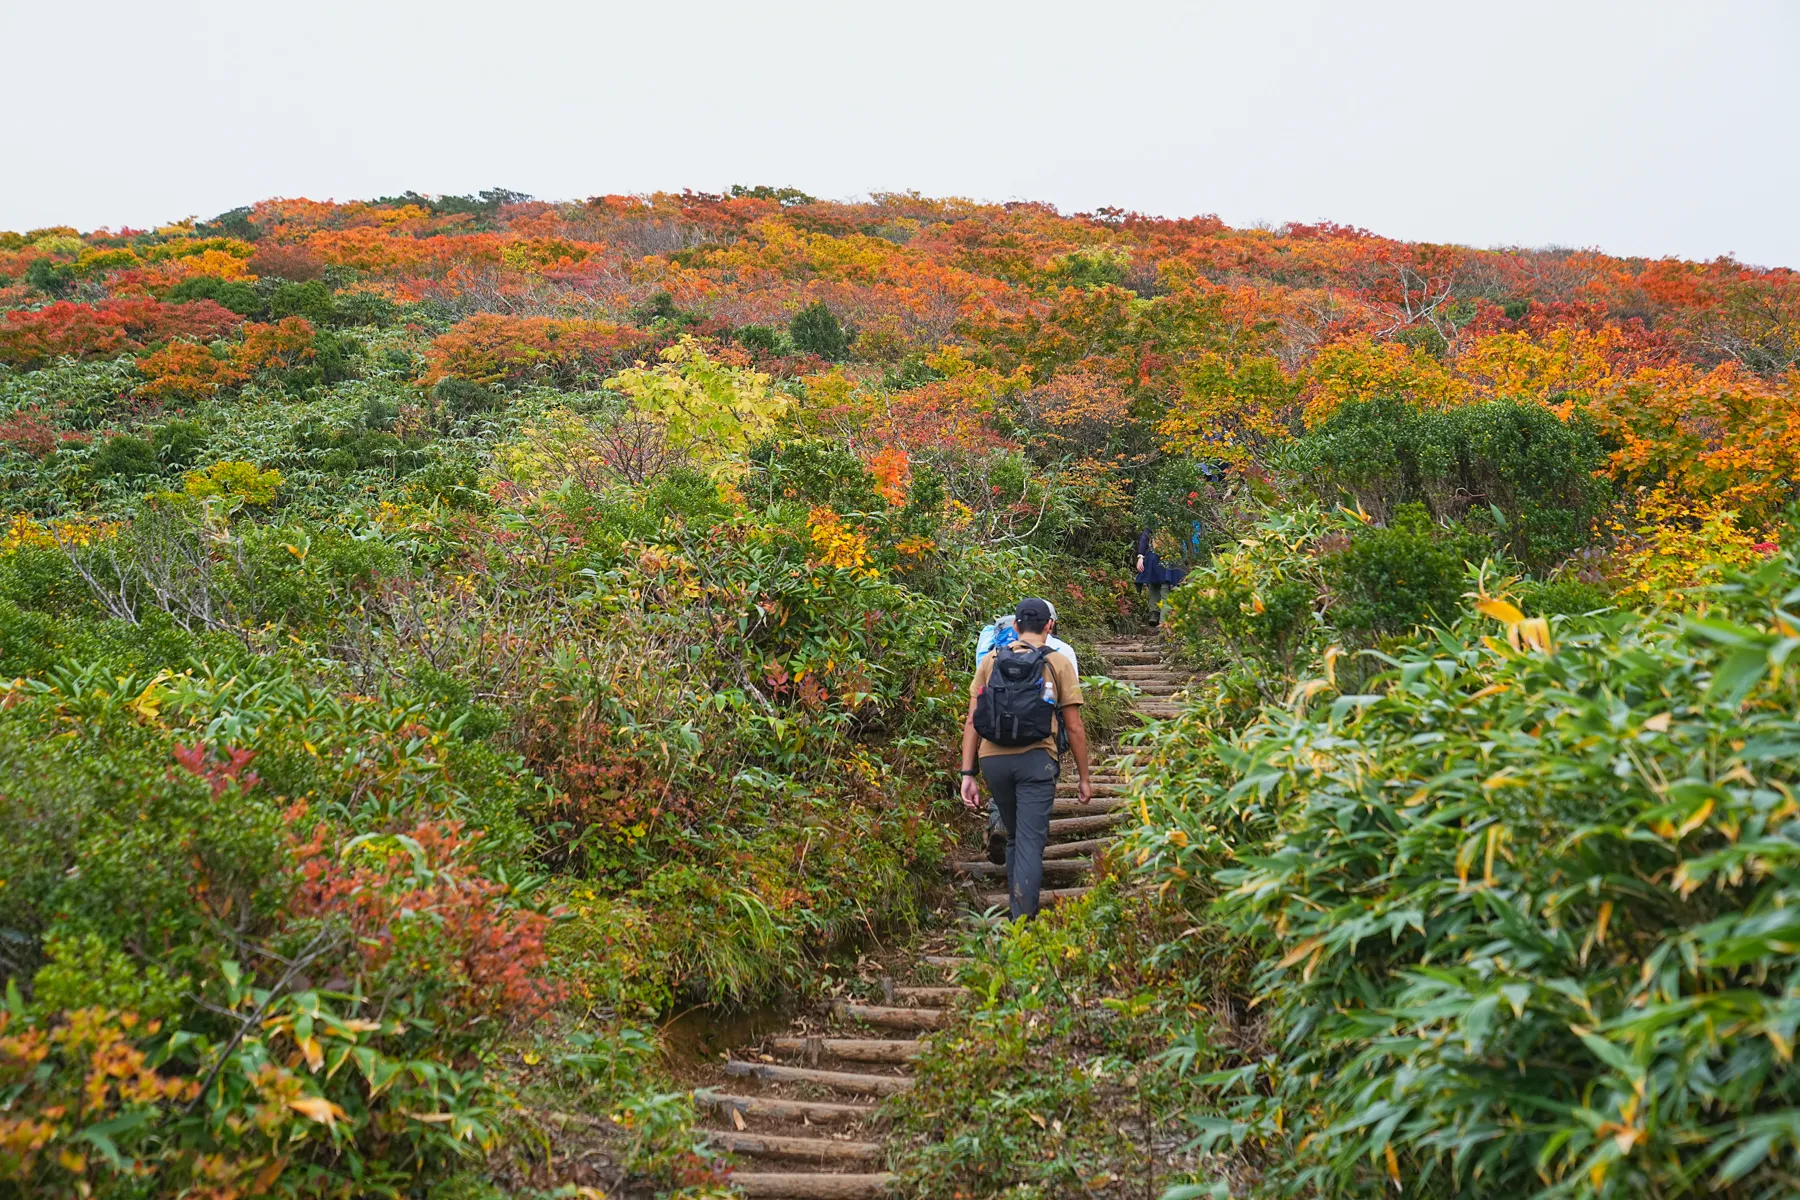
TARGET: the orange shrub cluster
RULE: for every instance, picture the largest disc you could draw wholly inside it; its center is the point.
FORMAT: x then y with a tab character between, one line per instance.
30	338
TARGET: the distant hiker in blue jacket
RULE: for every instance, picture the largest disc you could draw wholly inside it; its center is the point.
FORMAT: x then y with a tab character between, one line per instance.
1153	576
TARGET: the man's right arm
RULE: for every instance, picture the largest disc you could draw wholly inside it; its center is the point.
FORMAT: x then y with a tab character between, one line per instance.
971	746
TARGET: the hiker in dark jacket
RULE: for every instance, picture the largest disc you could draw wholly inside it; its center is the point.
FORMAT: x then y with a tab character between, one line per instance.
1023	777
1153	576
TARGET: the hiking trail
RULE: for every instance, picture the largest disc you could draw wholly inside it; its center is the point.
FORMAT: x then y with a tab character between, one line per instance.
800	1110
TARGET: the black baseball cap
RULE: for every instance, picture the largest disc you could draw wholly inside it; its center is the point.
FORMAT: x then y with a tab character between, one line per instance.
1035	611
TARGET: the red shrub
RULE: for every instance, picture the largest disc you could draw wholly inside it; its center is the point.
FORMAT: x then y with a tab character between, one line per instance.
28	433
488	954
32	338
285	262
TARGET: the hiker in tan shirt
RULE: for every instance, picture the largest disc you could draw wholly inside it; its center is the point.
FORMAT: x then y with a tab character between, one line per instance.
1023	777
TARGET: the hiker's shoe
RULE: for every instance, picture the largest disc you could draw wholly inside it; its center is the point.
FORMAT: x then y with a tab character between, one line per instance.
997	847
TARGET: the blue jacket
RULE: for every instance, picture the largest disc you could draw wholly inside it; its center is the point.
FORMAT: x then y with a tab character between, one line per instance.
1154	571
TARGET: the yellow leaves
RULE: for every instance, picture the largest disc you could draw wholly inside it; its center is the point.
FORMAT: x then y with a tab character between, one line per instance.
234	482
1228	410
1659	723
839	545
1304	691
1363	368
319	1109
1522	632
1312	949
1532	633
710	411
1678	536
314	1053
1696	820
1501	610
148	704
1495	835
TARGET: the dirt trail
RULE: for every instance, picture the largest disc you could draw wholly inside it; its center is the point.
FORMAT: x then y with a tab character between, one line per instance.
799	1110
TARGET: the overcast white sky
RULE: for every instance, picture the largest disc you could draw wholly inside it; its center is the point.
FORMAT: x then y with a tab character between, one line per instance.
1641	128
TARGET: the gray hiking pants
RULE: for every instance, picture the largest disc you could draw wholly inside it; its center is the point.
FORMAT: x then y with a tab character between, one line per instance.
1024	787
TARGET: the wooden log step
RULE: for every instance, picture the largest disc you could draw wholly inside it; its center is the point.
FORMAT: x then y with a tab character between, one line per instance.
1075	849
1050	864
837	1081
1046	897
887	1050
1069	806
1084	824
1125	658
889	1018
811	1187
1067	788
819	1150
948	960
819	1112
910	992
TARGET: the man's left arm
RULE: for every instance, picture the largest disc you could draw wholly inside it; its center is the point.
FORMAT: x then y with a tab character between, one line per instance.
1069	712
1070	716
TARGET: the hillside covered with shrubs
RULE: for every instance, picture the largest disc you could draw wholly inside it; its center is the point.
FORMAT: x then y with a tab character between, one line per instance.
441	636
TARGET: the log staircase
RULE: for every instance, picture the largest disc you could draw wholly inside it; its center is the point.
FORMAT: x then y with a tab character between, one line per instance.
800	1112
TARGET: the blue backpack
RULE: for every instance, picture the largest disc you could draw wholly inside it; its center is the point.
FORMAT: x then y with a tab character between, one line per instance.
997	636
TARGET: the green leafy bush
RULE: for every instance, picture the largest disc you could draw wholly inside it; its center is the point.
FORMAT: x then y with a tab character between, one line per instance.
815	330
1391	579
125	457
1523	908
240	297
1511	458
312	300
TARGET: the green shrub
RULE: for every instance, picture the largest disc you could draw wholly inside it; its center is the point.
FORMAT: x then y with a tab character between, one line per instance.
312	300
462	398
179	444
124	456
1514	458
364	308
51	278
762	340
240	297
1569	596
1391	579
815	330
1525	913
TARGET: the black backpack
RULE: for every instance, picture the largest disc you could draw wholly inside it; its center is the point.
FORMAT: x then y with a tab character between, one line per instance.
1010	710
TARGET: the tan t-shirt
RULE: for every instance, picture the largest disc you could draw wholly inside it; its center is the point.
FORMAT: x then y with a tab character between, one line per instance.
1060	673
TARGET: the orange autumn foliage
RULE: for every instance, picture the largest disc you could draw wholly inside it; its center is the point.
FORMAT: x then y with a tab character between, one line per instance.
491	348
1724	435
184	373
280	346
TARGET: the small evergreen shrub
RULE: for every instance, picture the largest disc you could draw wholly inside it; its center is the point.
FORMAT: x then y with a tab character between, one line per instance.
815	330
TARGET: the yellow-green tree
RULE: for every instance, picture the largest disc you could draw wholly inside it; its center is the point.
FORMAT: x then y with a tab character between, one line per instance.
708	410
